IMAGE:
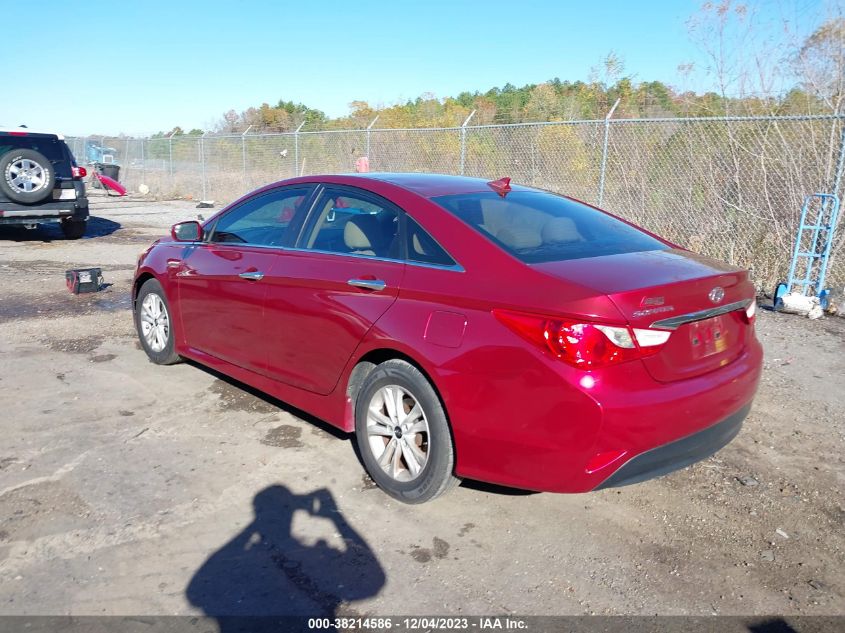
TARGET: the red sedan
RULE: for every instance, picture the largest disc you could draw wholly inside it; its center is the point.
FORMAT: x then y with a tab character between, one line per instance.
462	328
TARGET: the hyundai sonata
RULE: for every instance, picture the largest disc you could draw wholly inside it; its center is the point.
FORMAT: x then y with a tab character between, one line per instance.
462	328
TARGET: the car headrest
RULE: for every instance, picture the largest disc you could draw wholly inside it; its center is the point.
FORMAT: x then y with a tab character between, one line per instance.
560	230
519	237
359	231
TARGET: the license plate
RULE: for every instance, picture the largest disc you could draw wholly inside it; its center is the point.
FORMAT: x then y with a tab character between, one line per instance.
64	194
708	337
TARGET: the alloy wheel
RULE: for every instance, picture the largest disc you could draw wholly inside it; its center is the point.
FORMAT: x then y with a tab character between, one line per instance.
25	175
398	433
155	322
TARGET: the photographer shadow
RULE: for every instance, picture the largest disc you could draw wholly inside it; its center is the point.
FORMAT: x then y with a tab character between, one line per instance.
266	571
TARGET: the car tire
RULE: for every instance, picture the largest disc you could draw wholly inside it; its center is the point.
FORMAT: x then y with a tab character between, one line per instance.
407	451
154	324
26	176
74	229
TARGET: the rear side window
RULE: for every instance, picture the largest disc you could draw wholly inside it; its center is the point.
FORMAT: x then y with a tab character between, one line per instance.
348	224
423	248
536	226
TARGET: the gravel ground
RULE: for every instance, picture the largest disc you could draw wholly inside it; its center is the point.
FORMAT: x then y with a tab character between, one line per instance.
127	488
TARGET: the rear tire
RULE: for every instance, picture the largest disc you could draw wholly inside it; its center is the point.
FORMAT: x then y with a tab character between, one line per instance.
403	433
26	176
154	324
74	229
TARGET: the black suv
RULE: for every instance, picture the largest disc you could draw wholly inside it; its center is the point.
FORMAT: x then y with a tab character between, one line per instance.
41	182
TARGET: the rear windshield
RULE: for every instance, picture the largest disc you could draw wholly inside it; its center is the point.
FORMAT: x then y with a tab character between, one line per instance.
537	227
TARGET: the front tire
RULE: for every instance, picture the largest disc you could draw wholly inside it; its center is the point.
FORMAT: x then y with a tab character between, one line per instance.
403	433
154	324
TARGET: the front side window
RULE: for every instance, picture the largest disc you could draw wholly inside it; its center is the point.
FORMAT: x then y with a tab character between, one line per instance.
346	223
536	226
263	221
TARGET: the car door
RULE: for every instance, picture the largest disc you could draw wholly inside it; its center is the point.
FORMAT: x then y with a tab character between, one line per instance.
324	295
219	281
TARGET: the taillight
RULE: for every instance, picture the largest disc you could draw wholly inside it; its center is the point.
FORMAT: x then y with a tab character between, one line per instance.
650	341
751	311
584	344
78	172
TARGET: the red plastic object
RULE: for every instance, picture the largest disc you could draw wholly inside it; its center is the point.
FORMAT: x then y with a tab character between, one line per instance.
502	186
111	183
362	164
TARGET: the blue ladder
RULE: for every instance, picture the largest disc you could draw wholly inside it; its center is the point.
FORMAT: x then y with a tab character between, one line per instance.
821	229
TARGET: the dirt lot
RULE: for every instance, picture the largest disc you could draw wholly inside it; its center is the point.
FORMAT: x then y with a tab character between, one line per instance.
127	488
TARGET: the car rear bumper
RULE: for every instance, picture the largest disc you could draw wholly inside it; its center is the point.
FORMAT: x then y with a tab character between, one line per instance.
542	430
678	454
54	211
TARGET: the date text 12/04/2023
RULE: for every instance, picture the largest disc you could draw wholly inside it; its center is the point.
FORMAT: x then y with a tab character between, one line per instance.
419	623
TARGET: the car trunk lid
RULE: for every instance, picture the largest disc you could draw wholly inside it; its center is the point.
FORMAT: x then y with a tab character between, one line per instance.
698	299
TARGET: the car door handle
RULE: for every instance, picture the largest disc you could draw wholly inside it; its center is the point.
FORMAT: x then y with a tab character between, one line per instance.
369	284
255	275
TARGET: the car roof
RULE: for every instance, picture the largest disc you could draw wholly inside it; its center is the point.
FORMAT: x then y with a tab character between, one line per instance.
25	131
431	185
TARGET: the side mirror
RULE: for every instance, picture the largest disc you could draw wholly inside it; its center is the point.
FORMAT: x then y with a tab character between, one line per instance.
186	231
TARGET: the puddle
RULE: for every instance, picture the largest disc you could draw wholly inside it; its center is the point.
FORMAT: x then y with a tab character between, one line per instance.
130	236
113	304
76	346
285	436
234	399
440	550
14	307
52	267
466	528
103	358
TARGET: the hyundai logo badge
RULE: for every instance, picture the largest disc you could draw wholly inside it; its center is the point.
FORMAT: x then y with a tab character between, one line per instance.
717	294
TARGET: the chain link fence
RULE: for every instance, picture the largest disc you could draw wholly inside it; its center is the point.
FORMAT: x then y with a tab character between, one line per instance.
731	188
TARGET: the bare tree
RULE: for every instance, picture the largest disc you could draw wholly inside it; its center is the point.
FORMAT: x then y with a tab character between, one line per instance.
820	64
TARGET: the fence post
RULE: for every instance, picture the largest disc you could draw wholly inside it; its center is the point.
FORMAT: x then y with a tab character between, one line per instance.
464	142
143	162
243	148
296	171
836	191
170	147
202	161
604	152
840	164
369	127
